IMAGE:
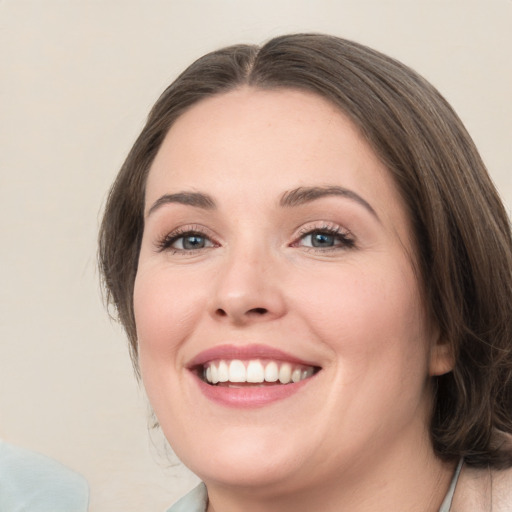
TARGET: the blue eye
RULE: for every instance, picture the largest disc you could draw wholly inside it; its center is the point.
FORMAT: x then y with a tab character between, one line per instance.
185	241
322	240
190	242
326	239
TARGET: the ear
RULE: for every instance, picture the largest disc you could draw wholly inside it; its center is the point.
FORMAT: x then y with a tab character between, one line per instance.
442	359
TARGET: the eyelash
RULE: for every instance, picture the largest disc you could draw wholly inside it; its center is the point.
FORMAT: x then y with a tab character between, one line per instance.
343	237
165	243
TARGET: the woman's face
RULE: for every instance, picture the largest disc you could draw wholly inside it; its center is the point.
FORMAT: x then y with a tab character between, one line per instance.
276	246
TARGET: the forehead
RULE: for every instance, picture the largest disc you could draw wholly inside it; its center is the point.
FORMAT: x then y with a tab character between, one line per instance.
259	143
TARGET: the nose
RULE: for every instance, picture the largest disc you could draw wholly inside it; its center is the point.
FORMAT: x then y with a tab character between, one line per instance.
248	289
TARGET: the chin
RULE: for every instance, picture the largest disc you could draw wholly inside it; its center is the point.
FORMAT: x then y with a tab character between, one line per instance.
244	460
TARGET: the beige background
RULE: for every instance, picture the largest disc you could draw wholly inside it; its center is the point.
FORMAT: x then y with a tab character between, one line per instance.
77	79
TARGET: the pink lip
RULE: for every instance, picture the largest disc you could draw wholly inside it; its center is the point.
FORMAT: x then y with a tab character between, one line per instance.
249	397
245	353
246	397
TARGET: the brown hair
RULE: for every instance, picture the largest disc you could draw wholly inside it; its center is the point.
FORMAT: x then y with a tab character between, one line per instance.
462	232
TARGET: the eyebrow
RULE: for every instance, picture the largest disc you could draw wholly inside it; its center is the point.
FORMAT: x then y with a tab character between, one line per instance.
303	195
291	198
196	199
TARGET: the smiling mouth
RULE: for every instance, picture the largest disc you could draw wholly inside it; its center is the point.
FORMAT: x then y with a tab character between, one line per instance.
236	373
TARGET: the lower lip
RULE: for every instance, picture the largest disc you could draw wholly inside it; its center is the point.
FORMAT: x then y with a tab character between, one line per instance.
250	397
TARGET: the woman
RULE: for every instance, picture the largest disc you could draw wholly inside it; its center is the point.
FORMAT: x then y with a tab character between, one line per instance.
314	272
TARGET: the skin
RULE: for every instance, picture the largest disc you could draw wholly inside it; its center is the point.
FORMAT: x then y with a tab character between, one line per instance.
357	433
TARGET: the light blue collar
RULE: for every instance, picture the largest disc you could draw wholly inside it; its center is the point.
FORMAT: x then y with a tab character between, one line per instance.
447	503
195	501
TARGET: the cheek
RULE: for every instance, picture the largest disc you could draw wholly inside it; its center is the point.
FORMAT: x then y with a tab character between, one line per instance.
369	316
164	317
164	321
375	326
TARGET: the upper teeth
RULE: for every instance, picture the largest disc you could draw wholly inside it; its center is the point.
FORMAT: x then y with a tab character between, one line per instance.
255	371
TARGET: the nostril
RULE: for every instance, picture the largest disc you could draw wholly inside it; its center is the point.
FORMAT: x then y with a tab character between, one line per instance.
258	311
239	315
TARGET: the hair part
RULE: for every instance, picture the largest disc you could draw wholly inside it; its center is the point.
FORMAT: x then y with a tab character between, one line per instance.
463	245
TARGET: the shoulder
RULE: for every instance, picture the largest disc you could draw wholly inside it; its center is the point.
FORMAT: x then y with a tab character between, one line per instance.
40	481
483	490
502	490
501	481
